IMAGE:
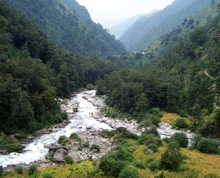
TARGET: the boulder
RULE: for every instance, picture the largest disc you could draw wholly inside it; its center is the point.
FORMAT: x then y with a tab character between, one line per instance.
59	155
121	129
54	148
75	108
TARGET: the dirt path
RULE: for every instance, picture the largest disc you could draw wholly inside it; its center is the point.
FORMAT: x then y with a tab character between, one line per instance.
206	73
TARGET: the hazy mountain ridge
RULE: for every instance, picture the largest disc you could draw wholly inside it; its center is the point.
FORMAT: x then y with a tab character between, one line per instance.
119	29
144	25
170	23
60	23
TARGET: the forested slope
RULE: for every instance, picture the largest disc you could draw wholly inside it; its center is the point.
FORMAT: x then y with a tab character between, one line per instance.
177	83
34	71
147	23
60	23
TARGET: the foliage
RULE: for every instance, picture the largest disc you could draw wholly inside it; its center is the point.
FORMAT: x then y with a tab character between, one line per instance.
31	169
18	169
68	159
145	137
154	165
128	172
74	136
86	144
64	115
181	123
106	164
94	147
139	164
171	159
62	140
208	146
1	170
9	144
153	147
47	175
195	140
153	130
117	167
181	139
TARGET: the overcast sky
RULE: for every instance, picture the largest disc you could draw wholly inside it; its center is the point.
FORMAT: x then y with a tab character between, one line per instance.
108	11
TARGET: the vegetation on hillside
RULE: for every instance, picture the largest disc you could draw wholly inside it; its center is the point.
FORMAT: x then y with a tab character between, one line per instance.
61	24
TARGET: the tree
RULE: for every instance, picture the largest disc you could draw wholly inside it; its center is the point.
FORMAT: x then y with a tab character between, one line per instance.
142	104
196	111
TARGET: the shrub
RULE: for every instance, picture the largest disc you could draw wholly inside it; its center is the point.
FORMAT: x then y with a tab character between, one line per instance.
117	167
153	147
74	136
139	164
144	137
153	130
95	147
62	140
32	168
86	144
171	159
58	118
47	175
154	165
106	164
68	159
181	139
1	170
19	169
79	148
155	120
180	122
167	140
64	115
195	140
156	112
128	172
208	146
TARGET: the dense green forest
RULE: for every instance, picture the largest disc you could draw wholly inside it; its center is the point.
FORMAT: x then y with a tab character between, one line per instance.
81	11
146	30
35	71
62	24
177	83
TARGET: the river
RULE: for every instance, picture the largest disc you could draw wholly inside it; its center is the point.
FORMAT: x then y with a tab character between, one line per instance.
36	151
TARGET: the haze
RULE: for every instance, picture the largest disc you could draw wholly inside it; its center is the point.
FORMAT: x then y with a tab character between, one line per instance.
111	12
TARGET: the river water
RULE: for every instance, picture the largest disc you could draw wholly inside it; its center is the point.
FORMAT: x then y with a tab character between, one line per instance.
36	151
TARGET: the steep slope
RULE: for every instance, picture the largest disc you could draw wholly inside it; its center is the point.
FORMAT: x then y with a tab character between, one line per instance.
61	24
147	23
81	11
170	23
119	29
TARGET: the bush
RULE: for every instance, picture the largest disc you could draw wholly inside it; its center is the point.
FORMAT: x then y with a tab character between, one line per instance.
68	159
171	159
139	164
154	165
74	136
117	167
106	164
153	147
86	144
19	169
208	146
62	140
144	137
153	130
1	170
32	168
95	147
181	139
79	148
180	122
156	111
128	172
195	140
64	115
167	140
58	118
47	175
155	120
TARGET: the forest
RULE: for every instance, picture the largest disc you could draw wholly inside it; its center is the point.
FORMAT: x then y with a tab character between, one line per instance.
63	25
35	72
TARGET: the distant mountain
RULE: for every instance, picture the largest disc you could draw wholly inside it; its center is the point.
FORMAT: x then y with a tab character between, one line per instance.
170	23
119	29
80	10
62	24
145	24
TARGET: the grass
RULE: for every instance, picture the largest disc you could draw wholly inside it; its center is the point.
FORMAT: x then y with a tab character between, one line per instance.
170	118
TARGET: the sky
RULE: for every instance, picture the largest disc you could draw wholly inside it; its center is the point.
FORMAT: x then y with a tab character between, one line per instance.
111	12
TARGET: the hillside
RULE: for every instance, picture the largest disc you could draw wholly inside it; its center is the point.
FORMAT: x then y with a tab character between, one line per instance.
62	24
170	23
80	10
34	72
160	24
119	29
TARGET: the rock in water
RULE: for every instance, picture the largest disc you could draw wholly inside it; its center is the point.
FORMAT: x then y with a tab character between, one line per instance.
59	155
